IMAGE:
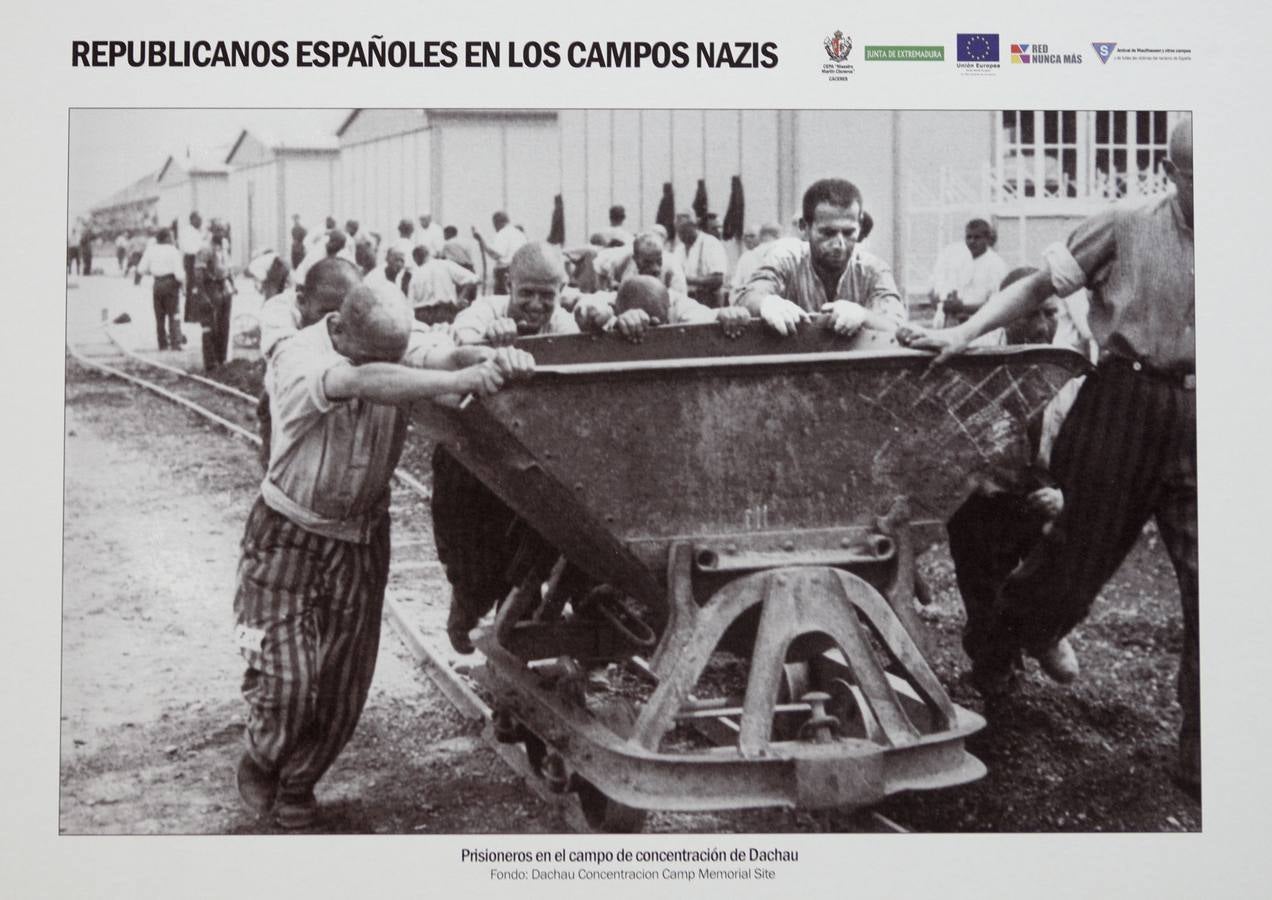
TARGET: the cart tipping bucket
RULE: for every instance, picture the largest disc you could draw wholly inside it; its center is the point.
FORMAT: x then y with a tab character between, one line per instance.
751	504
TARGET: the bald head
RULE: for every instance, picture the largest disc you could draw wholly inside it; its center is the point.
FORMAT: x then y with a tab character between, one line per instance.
327	283
647	252
372	326
537	261
646	293
1179	167
537	274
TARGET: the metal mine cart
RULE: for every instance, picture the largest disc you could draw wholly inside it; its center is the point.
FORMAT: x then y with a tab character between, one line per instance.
745	513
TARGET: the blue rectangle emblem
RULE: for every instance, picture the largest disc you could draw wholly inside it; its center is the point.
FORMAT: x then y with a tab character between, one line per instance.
977	48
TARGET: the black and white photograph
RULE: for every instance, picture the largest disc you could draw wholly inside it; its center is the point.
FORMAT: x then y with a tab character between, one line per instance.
576	471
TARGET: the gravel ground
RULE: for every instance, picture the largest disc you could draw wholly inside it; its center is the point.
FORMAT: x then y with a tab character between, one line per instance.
151	717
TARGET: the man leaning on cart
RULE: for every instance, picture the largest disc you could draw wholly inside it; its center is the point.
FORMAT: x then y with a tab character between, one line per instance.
1128	450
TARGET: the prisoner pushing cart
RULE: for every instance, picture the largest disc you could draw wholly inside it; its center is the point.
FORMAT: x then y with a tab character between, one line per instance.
757	500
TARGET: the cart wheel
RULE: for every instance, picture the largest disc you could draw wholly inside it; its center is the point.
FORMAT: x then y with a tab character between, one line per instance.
606	814
795	683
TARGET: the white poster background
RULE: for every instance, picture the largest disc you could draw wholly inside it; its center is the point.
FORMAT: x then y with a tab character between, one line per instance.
1225	84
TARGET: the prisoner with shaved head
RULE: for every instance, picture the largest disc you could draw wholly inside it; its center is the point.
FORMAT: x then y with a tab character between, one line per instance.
645	256
1127	452
536	275
392	274
315	554
702	255
326	285
643	302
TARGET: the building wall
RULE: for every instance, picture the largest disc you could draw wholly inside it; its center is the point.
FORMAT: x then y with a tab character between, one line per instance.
942	160
920	173
306	186
382	180
174	200
249	150
857	145
1021	242
210	194
368	124
254	203
495	161
626	156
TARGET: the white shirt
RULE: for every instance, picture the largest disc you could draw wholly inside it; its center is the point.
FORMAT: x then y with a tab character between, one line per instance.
404	245
618	265
280	318
258	266
378	280
507	241
436	282
705	257
1072	330
162	259
190	240
975	279
432	238
619	233
316	252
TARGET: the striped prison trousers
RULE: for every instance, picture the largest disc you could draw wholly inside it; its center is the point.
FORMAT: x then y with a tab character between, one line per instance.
307	616
1126	453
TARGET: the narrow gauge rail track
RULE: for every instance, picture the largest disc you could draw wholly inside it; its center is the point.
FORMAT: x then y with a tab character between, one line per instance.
235	412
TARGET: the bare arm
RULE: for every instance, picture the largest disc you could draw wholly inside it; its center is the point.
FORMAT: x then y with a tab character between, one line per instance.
754	292
1020	299
395	385
472	322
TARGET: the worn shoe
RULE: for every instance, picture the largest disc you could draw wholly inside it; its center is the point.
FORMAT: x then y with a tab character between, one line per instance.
257	788
458	624
296	811
1060	662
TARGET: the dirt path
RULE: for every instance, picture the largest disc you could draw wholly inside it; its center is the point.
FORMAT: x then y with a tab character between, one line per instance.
151	718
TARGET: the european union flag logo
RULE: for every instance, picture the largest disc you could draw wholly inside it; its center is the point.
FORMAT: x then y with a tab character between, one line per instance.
977	48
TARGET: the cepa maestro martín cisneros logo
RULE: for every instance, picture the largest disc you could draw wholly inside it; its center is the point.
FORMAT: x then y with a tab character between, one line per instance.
837	67
838	46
